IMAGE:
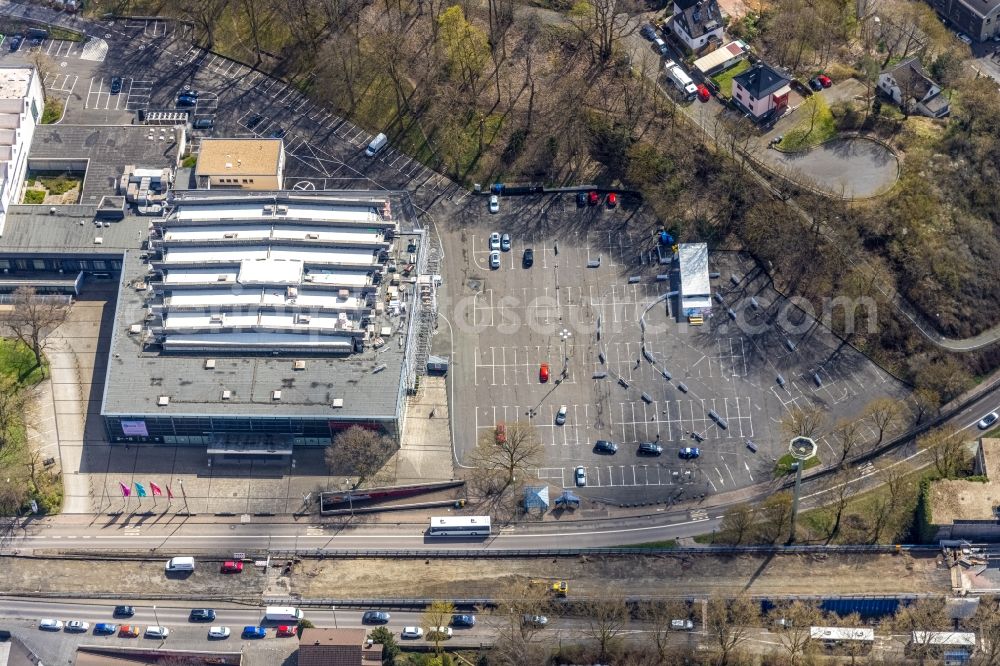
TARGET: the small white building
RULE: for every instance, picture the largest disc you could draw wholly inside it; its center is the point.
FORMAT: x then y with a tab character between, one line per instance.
908	85
696	290
22	102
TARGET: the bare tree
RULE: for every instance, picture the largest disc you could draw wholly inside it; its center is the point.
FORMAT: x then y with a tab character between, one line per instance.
886	505
804	421
33	318
920	619
775	516
848	436
884	413
799	617
437	616
728	623
602	23
839	493
606	620
44	66
736	525
658	615
359	451
511	458
519	611
947	446
986	622
926	401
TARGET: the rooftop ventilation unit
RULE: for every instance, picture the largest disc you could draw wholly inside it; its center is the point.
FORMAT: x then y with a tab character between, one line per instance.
302	319
229	234
215	319
227	394
281	209
299	365
210	364
135	329
275	395
312	236
337	402
99	241
163	400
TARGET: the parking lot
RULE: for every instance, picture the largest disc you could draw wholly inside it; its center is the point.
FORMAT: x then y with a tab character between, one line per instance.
578	308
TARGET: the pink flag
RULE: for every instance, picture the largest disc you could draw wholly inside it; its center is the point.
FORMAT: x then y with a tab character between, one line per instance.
170	495
126	490
155	488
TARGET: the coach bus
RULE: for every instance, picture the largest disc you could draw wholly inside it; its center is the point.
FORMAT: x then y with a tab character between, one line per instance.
460	526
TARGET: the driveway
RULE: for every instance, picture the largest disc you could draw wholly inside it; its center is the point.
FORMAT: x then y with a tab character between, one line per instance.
854	168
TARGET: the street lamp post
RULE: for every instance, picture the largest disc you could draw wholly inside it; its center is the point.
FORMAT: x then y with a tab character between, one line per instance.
565	335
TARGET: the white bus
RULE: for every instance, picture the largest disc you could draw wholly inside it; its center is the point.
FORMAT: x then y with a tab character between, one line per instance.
460	526
282	614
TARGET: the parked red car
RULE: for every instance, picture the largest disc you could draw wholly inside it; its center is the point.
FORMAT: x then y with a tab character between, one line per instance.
703	93
501	433
612	200
543	373
231	566
285	630
593	199
824	80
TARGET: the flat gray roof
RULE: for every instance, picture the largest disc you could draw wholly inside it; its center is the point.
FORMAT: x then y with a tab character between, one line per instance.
33	230
109	149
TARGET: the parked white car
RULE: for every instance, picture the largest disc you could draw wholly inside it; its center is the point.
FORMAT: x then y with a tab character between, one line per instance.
157	632
411	632
494	203
77	626
988	420
495	241
218	632
50	625
443	632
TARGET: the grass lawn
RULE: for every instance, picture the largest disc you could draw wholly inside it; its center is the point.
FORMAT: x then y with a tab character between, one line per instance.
725	79
53	110
784	464
17	362
815	125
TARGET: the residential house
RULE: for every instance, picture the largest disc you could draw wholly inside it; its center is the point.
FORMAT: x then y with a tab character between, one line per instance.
697	22
338	647
761	90
908	85
980	19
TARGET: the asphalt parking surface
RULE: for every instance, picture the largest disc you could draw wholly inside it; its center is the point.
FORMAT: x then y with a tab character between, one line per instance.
509	321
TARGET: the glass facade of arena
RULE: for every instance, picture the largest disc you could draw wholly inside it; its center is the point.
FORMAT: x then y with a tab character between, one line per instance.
206	430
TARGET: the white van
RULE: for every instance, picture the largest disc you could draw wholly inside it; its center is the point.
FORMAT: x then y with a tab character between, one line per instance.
377	144
680	79
283	614
180	564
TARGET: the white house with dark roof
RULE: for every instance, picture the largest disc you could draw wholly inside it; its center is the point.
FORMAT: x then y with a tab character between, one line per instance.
908	85
761	89
697	22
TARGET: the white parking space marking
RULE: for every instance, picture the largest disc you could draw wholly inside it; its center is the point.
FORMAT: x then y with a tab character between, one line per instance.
517	366
96	49
138	94
57	48
621	476
61	82
676	420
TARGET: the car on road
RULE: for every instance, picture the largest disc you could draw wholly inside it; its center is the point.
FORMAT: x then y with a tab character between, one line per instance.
189	92
581	476
604	446
202	615
505	242
649	449
463	620
77	626
154	631
534	620
254	121
37	41
278	133
442	633
561	415
612	200
185	100
543	372
203	124
964	37
528	260
494	203
495	240
251	631
128	631
825	80
15	42
988	420
116	85
681	625
50	625
689	452
381	617
218	632
285	631
581	199
411	632
703	94
593	198
648	31
495	259
105	628
124	611
815	84
231	566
